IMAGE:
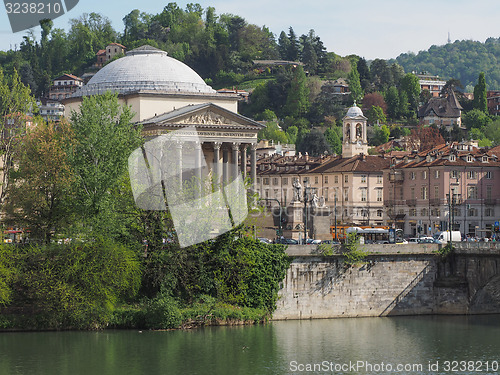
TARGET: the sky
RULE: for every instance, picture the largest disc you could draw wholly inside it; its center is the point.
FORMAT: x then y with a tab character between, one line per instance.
370	29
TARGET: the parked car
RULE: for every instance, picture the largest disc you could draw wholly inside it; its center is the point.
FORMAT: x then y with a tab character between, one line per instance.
413	240
331	242
311	241
401	241
426	240
288	241
265	240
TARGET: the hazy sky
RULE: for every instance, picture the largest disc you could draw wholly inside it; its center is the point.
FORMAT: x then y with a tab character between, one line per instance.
372	29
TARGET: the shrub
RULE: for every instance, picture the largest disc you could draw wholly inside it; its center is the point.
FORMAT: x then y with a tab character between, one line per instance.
162	313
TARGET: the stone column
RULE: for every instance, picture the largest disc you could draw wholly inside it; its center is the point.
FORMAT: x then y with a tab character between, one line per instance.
178	168
253	163
217	171
225	165
234	159
197	167
244	160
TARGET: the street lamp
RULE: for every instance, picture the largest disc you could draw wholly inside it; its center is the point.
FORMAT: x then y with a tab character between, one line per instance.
279	206
308	192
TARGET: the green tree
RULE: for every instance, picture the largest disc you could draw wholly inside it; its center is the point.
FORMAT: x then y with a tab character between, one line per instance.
314	143
332	137
392	100
273	133
39	194
104	139
15	103
480	100
476	119
355	85
492	132
376	115
297	101
411	86
380	135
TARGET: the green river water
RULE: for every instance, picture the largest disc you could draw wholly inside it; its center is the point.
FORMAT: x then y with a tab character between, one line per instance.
405	345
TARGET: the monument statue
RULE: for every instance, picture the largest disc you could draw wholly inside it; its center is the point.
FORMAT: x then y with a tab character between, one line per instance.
297	190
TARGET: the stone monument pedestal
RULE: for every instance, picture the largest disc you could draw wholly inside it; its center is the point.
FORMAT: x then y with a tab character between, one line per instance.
295	224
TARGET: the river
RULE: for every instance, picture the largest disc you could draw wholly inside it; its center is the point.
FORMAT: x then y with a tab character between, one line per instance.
406	345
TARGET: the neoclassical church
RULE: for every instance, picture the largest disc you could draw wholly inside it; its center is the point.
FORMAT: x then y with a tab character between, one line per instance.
166	95
194	159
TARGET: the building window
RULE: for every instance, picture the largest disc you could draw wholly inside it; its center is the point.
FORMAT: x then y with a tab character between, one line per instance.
266	181
316	179
412	193
346	178
336	179
489	175
489	212
363	195
363	178
413	212
380	213
423	212
436	174
471	175
285	180
423	192
424	175
472	192
436	191
470	159
457	212
258	180
455	174
412	175
489	190
379	179
275	180
471	211
346	195
379	195
325	194
326	179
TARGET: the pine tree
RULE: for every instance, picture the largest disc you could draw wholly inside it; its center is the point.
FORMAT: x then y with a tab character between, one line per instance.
480	101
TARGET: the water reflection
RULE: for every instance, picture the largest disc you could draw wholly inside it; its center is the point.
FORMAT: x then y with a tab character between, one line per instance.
269	349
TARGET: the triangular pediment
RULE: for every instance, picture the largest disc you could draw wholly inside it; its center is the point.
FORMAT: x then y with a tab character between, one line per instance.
204	115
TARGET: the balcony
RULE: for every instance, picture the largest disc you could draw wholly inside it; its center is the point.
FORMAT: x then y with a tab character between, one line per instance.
435	201
396	176
490	201
411	202
394	202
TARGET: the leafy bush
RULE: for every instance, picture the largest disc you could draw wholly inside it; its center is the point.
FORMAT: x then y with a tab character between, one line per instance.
353	254
73	286
162	313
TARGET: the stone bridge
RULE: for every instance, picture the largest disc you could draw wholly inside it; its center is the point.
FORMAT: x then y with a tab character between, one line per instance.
393	280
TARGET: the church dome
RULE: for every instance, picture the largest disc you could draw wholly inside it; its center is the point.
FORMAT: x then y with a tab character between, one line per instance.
146	69
354	111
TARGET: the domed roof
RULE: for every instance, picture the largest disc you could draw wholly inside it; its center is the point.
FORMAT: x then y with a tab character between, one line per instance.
145	69
354	111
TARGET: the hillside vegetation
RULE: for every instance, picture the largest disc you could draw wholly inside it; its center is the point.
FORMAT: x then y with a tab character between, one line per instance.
462	60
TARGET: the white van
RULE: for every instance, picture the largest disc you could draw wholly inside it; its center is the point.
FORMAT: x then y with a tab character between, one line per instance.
444	237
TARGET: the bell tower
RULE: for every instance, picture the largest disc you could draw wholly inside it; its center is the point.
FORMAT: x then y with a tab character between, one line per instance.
354	132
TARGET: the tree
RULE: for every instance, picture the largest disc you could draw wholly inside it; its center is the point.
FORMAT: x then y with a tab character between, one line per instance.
39	195
425	137
374	99
380	135
15	103
297	101
314	143
355	85
332	137
480	97
392	100
104	139
411	86
476	119
273	133
376	115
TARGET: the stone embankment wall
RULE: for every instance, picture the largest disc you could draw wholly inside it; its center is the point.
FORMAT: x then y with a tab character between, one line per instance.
394	280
